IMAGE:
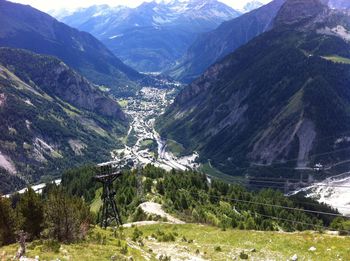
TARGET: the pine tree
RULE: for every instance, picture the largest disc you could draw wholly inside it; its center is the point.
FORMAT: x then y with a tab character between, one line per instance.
8	224
67	218
31	209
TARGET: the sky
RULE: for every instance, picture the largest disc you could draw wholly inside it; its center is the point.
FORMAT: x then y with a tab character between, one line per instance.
47	5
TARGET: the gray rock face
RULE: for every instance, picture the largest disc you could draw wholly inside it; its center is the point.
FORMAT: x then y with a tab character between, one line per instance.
51	119
296	11
57	79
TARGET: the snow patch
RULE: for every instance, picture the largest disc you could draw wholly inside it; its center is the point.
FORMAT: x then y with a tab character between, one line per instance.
115	36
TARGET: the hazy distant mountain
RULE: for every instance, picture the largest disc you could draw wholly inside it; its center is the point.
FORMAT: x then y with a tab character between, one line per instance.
213	46
51	118
340	4
154	35
25	27
252	5
283	98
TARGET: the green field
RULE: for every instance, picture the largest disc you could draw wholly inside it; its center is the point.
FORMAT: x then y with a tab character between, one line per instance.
337	59
208	169
192	241
97	202
176	148
123	103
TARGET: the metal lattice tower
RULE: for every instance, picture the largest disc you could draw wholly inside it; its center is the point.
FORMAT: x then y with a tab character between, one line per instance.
106	175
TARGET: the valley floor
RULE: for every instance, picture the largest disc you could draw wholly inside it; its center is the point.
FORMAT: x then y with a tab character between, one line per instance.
143	145
193	242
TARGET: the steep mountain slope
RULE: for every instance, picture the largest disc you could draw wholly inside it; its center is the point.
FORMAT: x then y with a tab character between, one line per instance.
27	28
154	35
51	118
282	98
212	46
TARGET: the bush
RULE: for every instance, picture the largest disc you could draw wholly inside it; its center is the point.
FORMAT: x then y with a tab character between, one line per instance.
51	246
243	255
124	250
136	234
218	249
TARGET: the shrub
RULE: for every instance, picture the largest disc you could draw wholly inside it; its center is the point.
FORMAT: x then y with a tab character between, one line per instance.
218	249
51	246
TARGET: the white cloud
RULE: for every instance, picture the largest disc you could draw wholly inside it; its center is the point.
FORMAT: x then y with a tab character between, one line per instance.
46	5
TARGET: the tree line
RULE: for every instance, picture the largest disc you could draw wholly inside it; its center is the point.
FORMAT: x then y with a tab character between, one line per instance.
62	213
52	215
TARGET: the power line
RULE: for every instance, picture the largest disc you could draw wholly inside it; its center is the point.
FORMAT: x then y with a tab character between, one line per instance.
289	220
284	183
289	208
299	222
286	161
274	205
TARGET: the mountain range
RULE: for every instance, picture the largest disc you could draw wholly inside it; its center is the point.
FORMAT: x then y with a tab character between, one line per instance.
282	98
252	5
27	28
212	46
339	4
51	118
154	35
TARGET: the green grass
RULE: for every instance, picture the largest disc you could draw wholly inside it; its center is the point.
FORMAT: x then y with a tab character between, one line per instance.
97	202
176	148
146	143
208	169
207	242
104	88
123	103
337	59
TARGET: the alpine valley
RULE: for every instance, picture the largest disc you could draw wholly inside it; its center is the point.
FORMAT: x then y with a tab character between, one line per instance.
154	35
175	130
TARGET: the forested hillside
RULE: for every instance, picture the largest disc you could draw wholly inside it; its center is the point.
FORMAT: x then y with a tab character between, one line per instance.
51	119
281	99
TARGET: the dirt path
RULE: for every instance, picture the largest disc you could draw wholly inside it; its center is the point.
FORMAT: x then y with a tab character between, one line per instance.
156	209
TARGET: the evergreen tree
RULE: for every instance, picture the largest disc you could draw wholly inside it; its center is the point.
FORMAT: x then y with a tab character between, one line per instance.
30	208
8	222
67	218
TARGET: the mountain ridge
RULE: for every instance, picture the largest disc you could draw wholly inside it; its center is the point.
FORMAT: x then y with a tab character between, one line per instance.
262	104
27	28
154	35
212	46
45	128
